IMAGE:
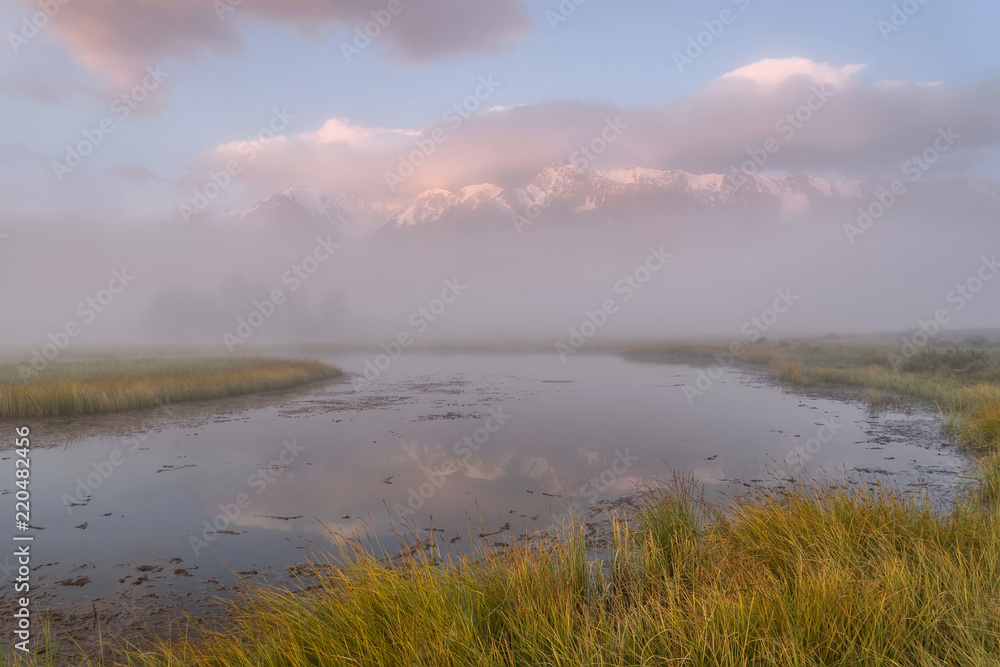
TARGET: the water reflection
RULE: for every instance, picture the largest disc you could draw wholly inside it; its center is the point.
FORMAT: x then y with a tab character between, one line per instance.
481	443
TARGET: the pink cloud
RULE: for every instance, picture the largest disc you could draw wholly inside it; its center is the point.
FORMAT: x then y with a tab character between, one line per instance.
852	129
121	37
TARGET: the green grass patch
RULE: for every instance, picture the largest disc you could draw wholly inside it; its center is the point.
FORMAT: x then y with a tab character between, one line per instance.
113	385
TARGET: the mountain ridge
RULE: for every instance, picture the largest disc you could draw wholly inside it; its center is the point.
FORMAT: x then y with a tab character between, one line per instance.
566	190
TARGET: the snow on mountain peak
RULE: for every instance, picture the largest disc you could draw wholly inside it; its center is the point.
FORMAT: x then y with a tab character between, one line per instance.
314	201
428	206
479	193
565	187
662	179
559	175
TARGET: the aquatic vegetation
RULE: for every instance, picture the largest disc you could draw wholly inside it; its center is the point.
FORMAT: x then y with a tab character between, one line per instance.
784	573
113	385
878	399
790	371
962	383
790	575
973	408
987	477
981	426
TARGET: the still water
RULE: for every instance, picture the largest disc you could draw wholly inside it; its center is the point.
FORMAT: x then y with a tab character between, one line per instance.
174	501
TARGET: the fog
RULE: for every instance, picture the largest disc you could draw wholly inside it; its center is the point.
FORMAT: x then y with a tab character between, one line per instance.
171	283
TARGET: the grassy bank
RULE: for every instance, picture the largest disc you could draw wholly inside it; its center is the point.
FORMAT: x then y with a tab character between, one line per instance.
963	385
793	576
113	385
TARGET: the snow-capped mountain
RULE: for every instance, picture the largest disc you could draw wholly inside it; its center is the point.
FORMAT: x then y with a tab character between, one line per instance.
565	192
347	216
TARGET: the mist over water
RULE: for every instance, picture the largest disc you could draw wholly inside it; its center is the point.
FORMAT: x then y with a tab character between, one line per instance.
439	280
498	445
198	283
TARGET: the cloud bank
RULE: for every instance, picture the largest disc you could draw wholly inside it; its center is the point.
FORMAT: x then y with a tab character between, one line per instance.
788	115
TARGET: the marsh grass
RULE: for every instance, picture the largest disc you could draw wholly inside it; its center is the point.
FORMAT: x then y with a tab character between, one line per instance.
45	653
786	573
113	385
972	407
790	371
987	477
962	384
789	575
878	399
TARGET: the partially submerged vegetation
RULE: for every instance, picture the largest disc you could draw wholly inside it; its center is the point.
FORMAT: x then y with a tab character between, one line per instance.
791	575
113	385
963	383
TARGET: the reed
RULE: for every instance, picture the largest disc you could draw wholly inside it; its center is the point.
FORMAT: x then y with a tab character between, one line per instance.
113	385
973	408
786	573
792	575
790	371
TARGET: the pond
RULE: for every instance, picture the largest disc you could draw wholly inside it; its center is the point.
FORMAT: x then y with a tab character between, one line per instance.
170	503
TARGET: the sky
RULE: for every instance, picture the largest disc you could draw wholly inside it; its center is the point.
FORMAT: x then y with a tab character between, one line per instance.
166	96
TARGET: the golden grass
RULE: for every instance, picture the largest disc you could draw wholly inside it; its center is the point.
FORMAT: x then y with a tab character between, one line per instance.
112	385
981	427
878	399
797	575
987	489
790	371
971	400
973	409
788	576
